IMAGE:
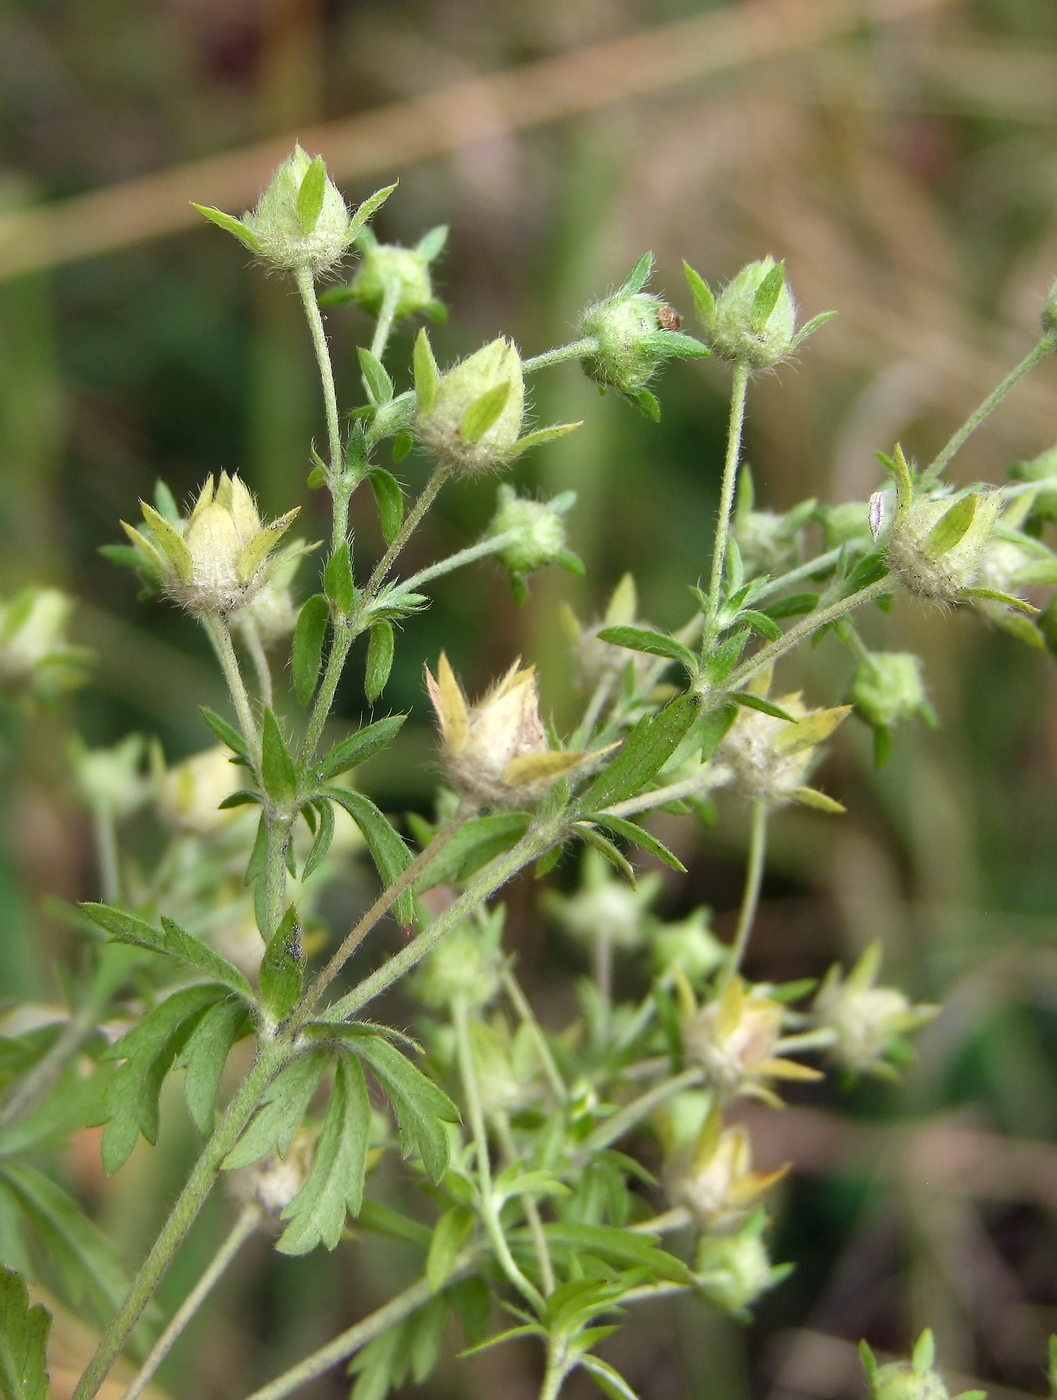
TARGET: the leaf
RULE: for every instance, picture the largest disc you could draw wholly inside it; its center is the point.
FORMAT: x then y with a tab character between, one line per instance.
278	769
611	1382
283	966
794	605
620	1246
637	277
431	244
713	728
230	224
226	733
472	1300
472	846
654	643
283	1105
450	1233
605	847
726	656
307	652
645	402
530	1329
23	1341
174	942
632	832
427	375
358	747
760	622
869	569
428	1327
951	527
995	595
310	195
390	501
484	412
205	1055
382	1364
324	836
421	1108
334	1186
766	298
704	301
387	850
244	797
337	578
647	749
366	210
394	1226
376	377
761	703
380	651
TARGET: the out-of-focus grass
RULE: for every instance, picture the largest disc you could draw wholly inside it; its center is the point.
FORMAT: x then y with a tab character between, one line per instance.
908	176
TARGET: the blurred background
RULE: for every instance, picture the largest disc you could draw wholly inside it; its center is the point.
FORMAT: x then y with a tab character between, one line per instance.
902	156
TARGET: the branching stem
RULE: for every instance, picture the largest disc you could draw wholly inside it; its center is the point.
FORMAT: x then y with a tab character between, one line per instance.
306	286
426	497
575	350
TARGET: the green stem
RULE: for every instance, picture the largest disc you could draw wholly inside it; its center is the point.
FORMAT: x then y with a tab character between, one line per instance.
673	792
32	1085
512	987
242	1229
1031	359
769	654
614	1128
252	637
277	834
468	555
528	1205
306	287
813	566
751	894
576	350
357	1336
490	1215
270	1059
557	1370
384	324
739	389
381	906
220	635
535	841
345	633
426	497
105	831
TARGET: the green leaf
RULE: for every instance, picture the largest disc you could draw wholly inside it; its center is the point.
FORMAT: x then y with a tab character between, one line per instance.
130	1102
387	850
472	846
995	595
637	277
283	966
394	1226
758	702
950	528
645	402
380	651
283	1105
609	1381
869	569
390	501
530	1329
175	942
654	643
205	1055
726	656
647	749
278	769
427	375
428	1326
310	195
334	1186
713	728
632	832
704	301
307	655
472	1300
230	224
23	1341
324	836
450	1233
358	747
605	847
376	377
337	579
402	445
367	210
795	605
243	797
484	412
760	622
421	1108
431	244
619	1246
766	298
382	1364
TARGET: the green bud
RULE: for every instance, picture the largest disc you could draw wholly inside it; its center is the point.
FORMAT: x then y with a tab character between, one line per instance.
753	320
465	963
888	688
848	523
35	658
936	545
689	945
402	274
472	418
910	1380
539	534
868	1024
1042	469
605	908
734	1270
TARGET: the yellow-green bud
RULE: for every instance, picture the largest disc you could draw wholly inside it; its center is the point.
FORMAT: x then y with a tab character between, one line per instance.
538	535
867	1022
734	1270
35	657
689	945
403	273
888	688
464	964
472	418
287	236
910	1380
753	320
920	551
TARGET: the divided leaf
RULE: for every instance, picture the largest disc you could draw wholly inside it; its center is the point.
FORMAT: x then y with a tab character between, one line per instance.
283	1105
174	942
23	1341
421	1108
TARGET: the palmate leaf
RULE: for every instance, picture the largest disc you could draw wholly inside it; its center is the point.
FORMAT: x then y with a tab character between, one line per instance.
173	941
205	1055
334	1186
421	1108
23	1341
283	1105
387	849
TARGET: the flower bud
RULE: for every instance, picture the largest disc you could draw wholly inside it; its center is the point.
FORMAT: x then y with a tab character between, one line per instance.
715	1182
189	793
753	320
272	612
634	335
216	561
736	1039
601	662
605	906
689	945
496	753
935	545
472	419
394	276
888	689
868	1023
734	1270
35	657
538	531
910	1380
113	780
464	964
769	542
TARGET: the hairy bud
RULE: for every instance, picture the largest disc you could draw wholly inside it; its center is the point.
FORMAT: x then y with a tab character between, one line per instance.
753	320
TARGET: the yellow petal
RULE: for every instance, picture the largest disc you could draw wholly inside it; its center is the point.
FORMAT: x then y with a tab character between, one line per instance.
780	1068
450	705
534	767
811	730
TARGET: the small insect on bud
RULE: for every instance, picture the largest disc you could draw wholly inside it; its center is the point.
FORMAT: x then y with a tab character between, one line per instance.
753	320
300	222
634	334
496	752
393	278
537	530
217	560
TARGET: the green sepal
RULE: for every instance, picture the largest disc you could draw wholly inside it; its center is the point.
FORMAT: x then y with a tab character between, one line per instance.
645	402
310	195
637	277
380	651
338	583
390	501
282	967
704	301
542	435
376	377
758	702
427	375
897	465
484	412
766	297
366	210
995	595
170	542
230	224
951	527
402	445
278	769
307	650
430	246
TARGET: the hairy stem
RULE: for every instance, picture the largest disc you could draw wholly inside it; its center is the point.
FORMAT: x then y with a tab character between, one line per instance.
220	635
345	633
252	637
105	831
490	1214
277	832
381	906
481	550
270	1059
426	497
306	287
528	1205
750	898
556	1371
512	987
384	325
576	350
673	792
1031	359
244	1226
739	389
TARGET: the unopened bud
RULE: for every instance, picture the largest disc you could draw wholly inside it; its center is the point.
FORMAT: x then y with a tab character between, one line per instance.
888	688
867	1022
464	965
753	320
472	418
734	1270
935	546
394	277
35	658
538	530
